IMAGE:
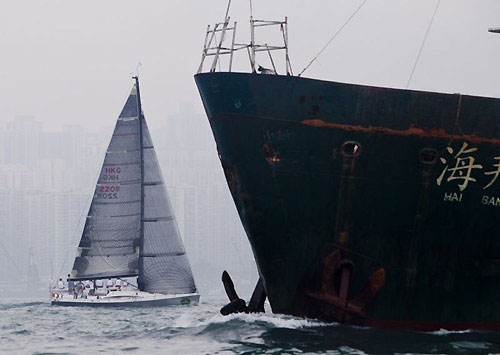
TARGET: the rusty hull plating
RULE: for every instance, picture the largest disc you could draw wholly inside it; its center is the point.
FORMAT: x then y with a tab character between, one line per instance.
364	205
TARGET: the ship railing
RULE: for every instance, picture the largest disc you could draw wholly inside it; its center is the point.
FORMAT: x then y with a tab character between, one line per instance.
220	40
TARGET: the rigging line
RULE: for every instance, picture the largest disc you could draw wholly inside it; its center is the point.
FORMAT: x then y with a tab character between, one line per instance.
333	37
76	231
423	44
128	283
13	262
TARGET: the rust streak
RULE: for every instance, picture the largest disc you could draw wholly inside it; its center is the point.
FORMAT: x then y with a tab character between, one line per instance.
411	131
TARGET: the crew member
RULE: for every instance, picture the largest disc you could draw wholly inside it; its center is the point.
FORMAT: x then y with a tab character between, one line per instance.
79	289
71	285
110	283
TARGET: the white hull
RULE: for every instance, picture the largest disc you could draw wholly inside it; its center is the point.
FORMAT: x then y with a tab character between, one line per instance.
126	299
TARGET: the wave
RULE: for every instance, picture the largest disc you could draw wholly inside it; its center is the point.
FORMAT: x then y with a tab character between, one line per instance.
259	319
448	332
270	320
22	332
350	351
7	306
470	345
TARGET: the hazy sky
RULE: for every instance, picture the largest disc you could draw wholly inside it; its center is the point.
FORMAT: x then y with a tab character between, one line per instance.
68	61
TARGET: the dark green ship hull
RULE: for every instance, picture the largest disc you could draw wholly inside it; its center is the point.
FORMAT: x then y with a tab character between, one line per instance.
364	205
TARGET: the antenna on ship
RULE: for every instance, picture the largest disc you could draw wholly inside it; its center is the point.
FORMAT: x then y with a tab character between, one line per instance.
252	38
227	11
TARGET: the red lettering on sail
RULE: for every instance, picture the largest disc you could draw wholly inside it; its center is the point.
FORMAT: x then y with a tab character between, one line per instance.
108	192
111	173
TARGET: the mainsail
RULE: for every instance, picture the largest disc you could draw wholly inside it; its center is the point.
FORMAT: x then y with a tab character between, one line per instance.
131	228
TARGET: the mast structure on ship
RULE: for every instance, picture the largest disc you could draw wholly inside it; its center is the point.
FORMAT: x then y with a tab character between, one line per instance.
217	47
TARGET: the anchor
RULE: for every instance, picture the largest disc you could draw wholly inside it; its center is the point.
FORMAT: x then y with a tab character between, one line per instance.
336	279
238	305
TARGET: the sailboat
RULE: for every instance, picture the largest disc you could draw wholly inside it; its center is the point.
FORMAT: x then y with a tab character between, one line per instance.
130	229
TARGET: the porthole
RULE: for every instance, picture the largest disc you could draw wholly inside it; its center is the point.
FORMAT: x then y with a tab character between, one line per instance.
351	149
428	156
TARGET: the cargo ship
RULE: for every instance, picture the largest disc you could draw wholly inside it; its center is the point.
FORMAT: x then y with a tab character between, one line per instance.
363	205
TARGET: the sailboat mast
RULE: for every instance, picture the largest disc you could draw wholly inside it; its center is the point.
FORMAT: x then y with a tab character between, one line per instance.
139	110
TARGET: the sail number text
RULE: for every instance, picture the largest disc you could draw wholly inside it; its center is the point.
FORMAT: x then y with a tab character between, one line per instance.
108	192
112	174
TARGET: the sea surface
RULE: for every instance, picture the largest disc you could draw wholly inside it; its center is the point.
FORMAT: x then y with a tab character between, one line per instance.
35	327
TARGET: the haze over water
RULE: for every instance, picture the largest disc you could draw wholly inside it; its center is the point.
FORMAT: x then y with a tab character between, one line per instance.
65	70
35	327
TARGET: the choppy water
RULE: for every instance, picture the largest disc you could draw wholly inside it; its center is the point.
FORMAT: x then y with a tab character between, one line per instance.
38	328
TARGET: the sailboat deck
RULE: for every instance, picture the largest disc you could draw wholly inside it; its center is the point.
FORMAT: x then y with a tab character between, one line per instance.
127	299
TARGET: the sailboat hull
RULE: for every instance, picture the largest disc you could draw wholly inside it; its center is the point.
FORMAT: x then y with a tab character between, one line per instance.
139	299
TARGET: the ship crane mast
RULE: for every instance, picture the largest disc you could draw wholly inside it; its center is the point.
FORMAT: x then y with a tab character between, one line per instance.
217	47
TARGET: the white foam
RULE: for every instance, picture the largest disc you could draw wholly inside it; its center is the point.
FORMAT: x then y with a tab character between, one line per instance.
186	320
448	332
349	350
274	320
470	345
